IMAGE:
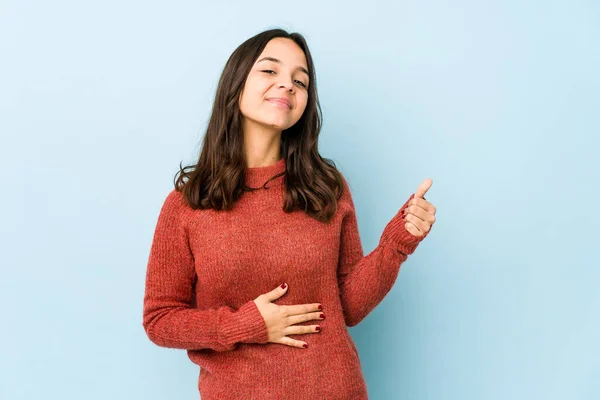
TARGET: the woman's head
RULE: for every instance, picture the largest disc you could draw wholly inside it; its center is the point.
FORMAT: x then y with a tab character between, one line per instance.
280	75
251	76
271	64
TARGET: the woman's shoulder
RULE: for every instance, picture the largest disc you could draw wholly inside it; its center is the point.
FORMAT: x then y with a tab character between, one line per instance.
346	200
174	203
174	198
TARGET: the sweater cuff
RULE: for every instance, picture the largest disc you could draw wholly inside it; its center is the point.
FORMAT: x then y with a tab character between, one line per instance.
396	235
245	326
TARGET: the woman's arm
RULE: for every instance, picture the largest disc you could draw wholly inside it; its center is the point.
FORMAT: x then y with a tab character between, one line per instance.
168	317
365	281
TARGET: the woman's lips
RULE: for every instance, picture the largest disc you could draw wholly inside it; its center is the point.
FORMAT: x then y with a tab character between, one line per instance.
280	103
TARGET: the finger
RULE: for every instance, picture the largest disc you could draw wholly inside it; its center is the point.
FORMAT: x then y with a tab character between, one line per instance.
423	188
421	225
412	229
294	343
420	213
301	309
276	293
424	204
296	319
301	329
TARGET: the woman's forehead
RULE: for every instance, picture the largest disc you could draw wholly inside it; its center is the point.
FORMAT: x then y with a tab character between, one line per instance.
284	51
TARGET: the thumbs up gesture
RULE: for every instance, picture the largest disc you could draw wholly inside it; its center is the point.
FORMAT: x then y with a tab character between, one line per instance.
419	215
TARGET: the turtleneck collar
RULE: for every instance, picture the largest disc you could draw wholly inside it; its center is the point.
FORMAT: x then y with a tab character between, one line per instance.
256	177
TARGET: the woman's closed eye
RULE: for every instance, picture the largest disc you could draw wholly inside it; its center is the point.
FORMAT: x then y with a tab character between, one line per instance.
270	70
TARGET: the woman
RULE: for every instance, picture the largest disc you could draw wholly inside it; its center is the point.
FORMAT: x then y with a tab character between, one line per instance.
259	241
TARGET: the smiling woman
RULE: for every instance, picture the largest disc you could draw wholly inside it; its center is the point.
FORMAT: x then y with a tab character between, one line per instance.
259	241
248	128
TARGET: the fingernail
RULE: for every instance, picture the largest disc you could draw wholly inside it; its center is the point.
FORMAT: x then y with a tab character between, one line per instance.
305	345
318	328
283	286
322	316
320	307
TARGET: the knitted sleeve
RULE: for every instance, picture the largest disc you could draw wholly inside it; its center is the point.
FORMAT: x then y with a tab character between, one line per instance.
365	280
169	318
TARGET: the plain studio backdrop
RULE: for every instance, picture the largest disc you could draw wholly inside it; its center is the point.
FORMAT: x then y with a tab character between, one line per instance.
497	102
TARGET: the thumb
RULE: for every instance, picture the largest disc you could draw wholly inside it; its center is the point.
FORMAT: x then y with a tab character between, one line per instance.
423	188
277	292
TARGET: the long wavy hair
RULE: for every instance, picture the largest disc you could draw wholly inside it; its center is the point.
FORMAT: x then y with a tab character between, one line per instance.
312	183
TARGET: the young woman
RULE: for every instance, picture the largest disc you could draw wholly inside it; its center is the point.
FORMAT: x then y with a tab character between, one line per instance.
259	241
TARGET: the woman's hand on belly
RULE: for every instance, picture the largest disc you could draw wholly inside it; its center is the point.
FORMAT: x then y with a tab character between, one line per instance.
280	320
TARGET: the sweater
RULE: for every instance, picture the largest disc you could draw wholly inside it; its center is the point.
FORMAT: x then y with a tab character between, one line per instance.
206	267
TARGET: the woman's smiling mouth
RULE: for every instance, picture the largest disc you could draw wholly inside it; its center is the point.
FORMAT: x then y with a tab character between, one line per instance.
281	102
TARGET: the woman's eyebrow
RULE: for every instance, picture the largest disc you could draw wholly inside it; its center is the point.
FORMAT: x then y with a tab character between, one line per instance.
279	62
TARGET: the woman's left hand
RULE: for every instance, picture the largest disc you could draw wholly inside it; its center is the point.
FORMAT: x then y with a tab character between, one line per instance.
419	214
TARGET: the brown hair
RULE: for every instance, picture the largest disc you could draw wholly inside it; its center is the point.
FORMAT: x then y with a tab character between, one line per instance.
312	183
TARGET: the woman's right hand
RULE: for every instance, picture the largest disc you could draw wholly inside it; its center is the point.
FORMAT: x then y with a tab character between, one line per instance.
280	320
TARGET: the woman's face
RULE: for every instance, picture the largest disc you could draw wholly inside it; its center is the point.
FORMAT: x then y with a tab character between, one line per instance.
279	72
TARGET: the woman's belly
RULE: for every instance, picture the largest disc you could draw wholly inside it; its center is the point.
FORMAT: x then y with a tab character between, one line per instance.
329	368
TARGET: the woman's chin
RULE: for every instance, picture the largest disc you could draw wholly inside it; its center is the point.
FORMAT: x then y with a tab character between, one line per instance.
277	124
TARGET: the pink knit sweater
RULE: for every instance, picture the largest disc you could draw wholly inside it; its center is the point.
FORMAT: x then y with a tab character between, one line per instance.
206	267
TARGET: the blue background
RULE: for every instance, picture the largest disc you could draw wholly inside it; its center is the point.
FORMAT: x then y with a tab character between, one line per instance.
497	102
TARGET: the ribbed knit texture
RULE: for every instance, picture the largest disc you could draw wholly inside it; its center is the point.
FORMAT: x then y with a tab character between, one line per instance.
206	267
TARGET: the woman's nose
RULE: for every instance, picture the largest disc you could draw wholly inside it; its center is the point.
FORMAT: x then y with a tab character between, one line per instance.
287	83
